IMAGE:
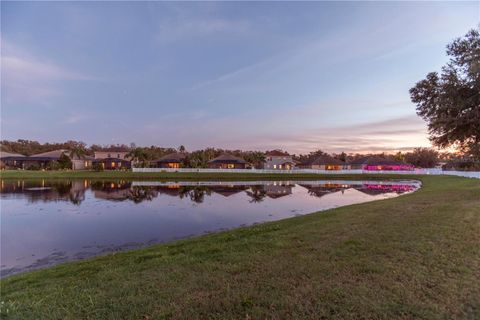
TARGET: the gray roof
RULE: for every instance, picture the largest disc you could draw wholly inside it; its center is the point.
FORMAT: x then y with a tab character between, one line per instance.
227	158
51	154
172	157
375	160
324	160
4	154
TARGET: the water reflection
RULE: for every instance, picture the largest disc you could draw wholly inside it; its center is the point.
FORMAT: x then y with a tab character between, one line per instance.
137	192
44	223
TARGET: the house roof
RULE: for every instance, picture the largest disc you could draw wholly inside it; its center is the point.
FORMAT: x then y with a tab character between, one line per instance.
55	154
375	160
114	149
172	157
323	160
4	154
227	158
276	153
24	158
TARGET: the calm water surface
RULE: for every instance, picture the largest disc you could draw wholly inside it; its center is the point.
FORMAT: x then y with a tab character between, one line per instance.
44	223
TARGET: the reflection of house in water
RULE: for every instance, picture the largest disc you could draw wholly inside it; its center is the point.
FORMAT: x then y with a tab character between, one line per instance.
319	190
46	191
376	189
228	190
276	190
115	191
173	190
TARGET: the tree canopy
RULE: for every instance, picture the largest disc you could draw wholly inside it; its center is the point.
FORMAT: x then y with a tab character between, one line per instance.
450	101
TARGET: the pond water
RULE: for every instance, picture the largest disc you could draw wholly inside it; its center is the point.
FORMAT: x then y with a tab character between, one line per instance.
44	223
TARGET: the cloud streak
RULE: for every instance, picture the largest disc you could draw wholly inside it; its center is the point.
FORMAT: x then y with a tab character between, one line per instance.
26	78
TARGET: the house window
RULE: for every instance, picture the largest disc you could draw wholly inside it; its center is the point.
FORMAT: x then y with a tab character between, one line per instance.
86	164
119	164
274	166
113	164
108	155
230	166
173	165
279	166
118	155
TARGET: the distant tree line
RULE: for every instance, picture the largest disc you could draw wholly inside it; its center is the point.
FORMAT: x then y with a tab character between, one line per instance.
420	157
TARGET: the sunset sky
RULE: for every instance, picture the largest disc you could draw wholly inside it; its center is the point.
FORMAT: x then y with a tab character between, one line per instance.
295	76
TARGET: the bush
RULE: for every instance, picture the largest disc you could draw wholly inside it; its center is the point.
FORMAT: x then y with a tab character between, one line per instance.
64	162
97	166
53	166
33	167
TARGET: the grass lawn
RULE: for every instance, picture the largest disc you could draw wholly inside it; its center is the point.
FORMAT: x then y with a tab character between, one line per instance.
415	256
26	174
175	176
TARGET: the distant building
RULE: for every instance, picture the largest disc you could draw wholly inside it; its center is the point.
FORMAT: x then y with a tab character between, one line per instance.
45	159
112	153
8	159
227	161
324	162
112	163
375	163
278	160
172	160
114	158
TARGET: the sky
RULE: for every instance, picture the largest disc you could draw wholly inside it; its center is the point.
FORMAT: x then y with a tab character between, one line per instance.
297	76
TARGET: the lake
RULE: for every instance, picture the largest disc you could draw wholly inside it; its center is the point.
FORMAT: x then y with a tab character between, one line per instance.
44	223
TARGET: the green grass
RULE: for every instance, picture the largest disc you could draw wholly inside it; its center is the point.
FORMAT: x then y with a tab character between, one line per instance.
412	257
172	176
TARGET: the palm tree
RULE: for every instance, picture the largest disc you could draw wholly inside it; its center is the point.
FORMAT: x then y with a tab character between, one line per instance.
138	155
257	193
78	152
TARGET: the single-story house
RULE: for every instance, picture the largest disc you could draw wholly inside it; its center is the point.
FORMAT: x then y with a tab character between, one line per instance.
172	160
45	159
112	163
8	159
375	163
278	160
324	162
227	161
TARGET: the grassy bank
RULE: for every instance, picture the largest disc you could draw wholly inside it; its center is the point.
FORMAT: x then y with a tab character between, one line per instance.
416	256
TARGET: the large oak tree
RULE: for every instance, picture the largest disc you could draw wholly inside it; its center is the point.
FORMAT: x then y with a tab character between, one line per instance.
450	101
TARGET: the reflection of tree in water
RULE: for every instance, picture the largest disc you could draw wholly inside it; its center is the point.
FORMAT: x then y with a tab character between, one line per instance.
47	191
63	189
139	194
196	194
257	193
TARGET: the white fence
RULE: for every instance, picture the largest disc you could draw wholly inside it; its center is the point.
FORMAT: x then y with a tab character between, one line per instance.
468	174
